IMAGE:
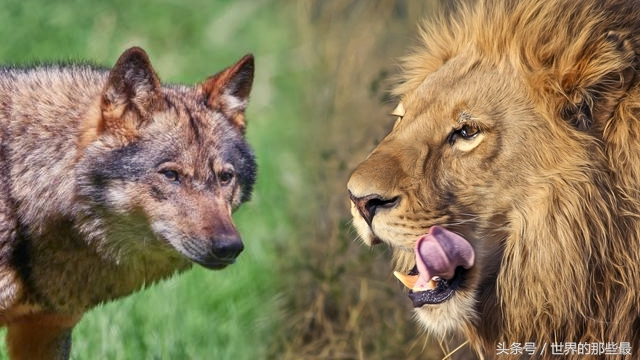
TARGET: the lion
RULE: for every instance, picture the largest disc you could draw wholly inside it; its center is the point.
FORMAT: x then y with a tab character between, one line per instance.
509	186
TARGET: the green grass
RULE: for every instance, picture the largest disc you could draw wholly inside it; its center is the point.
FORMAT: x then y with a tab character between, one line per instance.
231	314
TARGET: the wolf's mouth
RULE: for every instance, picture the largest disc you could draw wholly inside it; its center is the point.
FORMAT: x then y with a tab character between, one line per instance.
442	258
215	264
210	260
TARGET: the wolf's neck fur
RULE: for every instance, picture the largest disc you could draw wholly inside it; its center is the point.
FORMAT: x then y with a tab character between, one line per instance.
93	276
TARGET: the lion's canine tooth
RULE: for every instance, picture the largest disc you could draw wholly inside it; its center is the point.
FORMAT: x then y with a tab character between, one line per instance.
408	280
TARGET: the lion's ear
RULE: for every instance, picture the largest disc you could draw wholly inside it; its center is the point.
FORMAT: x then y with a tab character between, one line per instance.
597	81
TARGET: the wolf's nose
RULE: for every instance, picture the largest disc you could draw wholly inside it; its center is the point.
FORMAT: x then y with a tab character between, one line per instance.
227	247
368	205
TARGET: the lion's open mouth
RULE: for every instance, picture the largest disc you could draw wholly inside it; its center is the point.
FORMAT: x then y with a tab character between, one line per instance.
441	259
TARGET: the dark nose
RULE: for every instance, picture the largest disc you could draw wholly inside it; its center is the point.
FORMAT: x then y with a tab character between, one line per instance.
227	248
368	205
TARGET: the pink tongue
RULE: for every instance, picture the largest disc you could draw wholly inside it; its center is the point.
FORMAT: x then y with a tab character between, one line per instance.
439	252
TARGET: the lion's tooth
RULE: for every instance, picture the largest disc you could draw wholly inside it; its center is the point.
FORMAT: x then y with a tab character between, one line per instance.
408	280
422	287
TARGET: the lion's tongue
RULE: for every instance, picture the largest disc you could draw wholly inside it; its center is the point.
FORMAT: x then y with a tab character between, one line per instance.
439	253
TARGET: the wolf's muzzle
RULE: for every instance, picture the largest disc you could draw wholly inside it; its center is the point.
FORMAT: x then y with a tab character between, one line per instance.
227	248
222	251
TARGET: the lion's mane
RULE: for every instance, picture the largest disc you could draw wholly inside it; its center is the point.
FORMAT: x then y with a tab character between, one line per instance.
579	61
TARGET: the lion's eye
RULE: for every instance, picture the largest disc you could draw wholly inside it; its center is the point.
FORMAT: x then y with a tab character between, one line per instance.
171	175
225	177
466	132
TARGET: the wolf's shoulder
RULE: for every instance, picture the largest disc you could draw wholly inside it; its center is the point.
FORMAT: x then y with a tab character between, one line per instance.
43	75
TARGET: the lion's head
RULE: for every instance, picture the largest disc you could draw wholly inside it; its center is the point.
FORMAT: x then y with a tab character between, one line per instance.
509	187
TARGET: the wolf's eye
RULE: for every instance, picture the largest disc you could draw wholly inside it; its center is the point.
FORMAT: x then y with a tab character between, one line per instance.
466	132
225	177
170	175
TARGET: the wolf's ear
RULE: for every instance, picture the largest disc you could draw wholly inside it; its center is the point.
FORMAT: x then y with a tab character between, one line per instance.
228	91
132	85
597	82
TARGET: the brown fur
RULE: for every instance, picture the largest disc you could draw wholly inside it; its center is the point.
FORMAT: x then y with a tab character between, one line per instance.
110	181
547	193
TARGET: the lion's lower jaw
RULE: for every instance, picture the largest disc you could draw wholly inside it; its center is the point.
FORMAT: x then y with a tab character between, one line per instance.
455	316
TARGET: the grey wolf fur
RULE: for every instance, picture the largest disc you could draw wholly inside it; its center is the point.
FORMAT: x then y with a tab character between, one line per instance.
110	181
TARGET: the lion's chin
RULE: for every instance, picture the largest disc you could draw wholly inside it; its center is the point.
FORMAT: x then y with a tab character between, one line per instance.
448	317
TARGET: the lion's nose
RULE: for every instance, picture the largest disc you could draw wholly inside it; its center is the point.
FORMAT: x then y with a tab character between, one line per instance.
368	205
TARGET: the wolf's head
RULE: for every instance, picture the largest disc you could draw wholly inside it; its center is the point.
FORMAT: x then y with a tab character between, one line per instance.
163	167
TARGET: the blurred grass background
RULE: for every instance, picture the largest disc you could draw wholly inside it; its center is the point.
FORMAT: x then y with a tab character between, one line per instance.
305	287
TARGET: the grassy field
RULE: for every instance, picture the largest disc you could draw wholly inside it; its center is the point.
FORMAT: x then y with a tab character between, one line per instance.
351	306
230	314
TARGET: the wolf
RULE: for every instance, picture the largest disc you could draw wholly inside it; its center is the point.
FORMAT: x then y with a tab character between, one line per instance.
109	181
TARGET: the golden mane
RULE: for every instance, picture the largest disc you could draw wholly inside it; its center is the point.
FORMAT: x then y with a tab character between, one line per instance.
578	60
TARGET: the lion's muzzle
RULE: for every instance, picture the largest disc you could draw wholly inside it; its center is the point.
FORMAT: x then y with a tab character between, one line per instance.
368	205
